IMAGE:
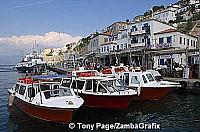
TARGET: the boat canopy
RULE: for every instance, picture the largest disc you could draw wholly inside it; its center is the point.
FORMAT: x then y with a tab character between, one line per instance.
48	76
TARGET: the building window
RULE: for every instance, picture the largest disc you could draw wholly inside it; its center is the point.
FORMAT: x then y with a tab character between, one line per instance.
117	47
121	46
142	40
134	28
191	42
96	42
104	48
184	41
134	40
105	39
188	42
125	46
148	41
169	39
161	61
194	43
180	41
107	48
101	49
113	48
161	40
145	26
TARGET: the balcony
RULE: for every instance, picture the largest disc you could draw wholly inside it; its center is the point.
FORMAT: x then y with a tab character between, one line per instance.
138	45
163	45
140	32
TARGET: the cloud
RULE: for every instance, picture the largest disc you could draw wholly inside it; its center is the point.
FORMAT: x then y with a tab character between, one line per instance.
26	5
15	45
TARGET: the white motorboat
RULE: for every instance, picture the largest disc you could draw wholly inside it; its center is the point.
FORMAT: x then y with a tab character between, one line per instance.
150	88
98	91
45	99
30	62
158	77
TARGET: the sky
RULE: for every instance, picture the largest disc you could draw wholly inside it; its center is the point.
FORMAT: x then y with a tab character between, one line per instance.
54	23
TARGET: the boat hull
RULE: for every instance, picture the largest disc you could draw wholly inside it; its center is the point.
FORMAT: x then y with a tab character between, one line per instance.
24	69
107	102
58	115
34	68
153	93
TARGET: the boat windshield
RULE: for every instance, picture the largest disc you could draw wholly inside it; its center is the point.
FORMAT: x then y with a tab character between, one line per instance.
150	77
135	80
108	85
66	82
144	79
57	93
121	85
16	87
52	90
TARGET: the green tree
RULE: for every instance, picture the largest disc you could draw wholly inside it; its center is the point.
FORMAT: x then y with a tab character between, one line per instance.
184	2
68	47
185	27
60	52
192	9
147	13
196	17
156	8
83	42
179	18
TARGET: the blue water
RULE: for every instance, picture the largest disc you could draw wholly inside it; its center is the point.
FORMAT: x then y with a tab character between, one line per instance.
175	112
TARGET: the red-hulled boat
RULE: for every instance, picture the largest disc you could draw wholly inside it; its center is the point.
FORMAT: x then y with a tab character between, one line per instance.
149	88
98	91
44	99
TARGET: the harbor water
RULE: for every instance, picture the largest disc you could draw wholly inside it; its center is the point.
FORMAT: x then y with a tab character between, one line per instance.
176	111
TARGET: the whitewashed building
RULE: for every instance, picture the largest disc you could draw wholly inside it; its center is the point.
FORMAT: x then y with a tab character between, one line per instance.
171	38
197	7
96	41
108	47
194	1
141	34
116	27
167	14
116	42
53	55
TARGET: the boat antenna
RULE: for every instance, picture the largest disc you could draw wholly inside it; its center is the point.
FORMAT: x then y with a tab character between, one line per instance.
34	45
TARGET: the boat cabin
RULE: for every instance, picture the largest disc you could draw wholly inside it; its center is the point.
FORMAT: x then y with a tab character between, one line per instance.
39	91
135	79
93	85
156	74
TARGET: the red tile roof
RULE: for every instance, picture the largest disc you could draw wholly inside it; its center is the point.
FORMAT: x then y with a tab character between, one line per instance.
166	31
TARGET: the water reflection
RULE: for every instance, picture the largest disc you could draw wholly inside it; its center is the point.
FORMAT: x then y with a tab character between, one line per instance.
137	112
176	111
